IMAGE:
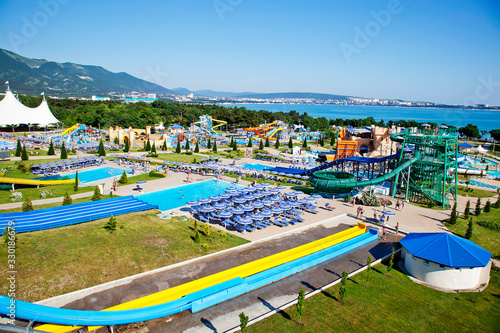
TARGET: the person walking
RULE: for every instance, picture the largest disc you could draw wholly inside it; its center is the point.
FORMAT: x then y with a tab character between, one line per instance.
384	233
397	228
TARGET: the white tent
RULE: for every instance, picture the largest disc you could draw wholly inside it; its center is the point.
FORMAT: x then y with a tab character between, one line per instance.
481	150
13	112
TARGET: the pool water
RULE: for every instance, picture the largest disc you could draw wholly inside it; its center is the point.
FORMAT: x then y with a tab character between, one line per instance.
173	197
97	174
7	145
256	166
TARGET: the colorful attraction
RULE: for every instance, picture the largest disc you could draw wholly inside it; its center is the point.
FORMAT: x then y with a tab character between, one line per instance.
268	131
207	126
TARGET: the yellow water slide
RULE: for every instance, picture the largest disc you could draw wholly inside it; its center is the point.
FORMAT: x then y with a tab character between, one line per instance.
70	130
24	181
241	271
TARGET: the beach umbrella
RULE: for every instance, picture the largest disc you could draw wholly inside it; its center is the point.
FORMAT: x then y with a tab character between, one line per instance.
245	220
204	200
258	186
308	198
274	190
266	213
277	210
266	201
239	200
302	201
225	214
207	209
290	175
388	212
281	187
266	184
257	205
247	207
285	206
225	195
274	199
257	217
219	205
316	196
249	197
425	125
293	203
291	194
193	203
237	211
215	198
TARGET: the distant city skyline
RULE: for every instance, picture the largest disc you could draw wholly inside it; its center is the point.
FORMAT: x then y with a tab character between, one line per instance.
442	52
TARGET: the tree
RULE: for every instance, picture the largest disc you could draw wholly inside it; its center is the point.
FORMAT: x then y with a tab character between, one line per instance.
231	143
195	227
67	199
64	153
124	178
235	146
127	147
261	145
267	142
19	148
164	146
369	264
76	181
24	154
467	210
209	144
97	194
277	143
51	150
111	224
206	230
290	143
187	144
343	286
300	304
497	203
197	236
101	151
453	215
304	144
215	146
469	131
249	144
391	261
178	148
116	141
148	146
27	205
243	322
468	233
487	207
197	148
477	211
332	140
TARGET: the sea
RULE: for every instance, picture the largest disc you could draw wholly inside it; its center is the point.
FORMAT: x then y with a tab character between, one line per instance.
484	119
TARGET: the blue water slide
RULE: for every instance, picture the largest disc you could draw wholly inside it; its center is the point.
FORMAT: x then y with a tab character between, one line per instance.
194	301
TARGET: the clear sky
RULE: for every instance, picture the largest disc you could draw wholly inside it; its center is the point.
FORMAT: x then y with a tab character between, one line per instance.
440	51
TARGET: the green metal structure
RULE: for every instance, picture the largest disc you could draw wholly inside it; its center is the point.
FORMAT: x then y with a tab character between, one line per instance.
433	176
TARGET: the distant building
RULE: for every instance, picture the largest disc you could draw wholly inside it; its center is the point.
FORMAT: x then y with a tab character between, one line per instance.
132	100
102	99
176	129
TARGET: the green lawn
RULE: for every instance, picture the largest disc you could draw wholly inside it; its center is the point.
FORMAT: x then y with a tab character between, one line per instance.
476	193
57	261
391	304
174	157
484	237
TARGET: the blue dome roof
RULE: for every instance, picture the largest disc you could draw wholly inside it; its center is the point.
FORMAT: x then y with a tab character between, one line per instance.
446	249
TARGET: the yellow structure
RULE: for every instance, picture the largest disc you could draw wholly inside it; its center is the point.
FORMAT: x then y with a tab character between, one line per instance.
136	137
24	181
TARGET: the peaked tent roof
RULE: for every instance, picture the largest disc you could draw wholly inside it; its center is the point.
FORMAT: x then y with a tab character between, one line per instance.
481	149
465	145
13	112
446	249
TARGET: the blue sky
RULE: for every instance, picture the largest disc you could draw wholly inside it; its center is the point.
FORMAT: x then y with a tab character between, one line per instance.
440	51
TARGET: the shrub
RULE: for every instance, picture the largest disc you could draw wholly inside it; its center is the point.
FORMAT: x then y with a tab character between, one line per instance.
16	196
76	181
111	224
51	150
101	151
261	144
189	153
478	210
206	228
348	198
116	141
19	148
67	199
304	144
205	247
23	167
209	144
123	178
487	207
290	143
127	147
64	153
27	205
46	193
197	237
148	146
24	154
493	225
178	148
187	145
277	143
497	203
370	199
467	210
243	322
300	304
215	146
97	194
266	144
249	144
453	216
155	174
468	233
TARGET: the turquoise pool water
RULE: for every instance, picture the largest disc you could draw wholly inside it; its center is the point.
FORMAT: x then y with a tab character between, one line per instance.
173	197
97	174
7	145
257	166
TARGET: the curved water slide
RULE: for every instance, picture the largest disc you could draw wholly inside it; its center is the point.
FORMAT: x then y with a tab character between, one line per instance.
206	125
325	181
265	131
201	293
350	159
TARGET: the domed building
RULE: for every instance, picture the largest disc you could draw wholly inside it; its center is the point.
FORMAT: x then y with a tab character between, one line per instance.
446	261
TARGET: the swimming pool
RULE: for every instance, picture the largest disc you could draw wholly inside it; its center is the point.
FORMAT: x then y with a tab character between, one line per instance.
4	145
97	174
179	196
257	166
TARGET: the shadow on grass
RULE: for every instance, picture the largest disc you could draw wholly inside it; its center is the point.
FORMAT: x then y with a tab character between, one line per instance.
208	324
272	308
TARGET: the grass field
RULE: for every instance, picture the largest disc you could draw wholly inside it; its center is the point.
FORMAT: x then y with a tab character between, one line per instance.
391	304
174	157
484	237
476	193
57	261
55	204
